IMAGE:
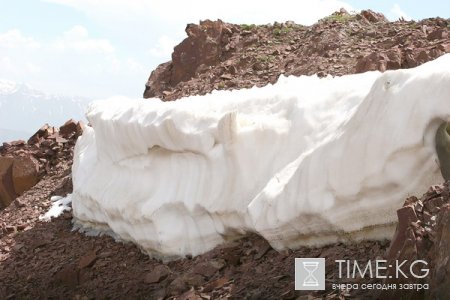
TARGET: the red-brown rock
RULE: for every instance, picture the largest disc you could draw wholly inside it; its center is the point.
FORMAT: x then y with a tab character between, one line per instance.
17	174
218	55
159	80
42	134
157	274
438	34
373	17
22	164
87	260
439	254
69	128
423	233
7	191
389	60
203	47
252	270
25	173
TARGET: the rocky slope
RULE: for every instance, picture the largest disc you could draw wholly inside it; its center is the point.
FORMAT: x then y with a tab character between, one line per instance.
218	55
23	164
47	260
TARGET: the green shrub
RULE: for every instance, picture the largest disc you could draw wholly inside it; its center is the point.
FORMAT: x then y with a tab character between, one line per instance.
248	27
281	31
338	18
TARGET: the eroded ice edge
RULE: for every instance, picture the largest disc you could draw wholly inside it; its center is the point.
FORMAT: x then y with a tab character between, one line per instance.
58	206
306	161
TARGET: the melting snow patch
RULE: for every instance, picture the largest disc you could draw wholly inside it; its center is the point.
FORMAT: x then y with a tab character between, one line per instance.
306	161
59	205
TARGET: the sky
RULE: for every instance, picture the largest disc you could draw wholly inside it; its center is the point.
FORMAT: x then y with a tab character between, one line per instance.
103	48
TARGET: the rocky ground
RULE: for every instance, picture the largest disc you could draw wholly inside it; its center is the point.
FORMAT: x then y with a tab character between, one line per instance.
48	260
218	55
41	260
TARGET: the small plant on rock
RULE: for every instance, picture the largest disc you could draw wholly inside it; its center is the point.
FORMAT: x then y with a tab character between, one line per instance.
336	17
248	27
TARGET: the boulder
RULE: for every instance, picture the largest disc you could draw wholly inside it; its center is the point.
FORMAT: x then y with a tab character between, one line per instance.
69	128
7	192
17	174
24	173
372	16
202	48
388	60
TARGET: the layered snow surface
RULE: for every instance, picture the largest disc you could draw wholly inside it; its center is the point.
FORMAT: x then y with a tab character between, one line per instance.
306	161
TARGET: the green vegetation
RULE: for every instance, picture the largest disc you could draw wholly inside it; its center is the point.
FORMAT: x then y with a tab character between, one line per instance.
265	58
248	27
341	18
281	31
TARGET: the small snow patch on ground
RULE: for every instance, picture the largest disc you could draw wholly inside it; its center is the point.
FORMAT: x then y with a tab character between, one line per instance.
59	205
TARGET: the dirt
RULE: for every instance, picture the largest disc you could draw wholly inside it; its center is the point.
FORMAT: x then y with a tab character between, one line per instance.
41	260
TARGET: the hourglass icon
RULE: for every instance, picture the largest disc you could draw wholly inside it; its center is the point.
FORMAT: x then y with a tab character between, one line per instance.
310	267
310	274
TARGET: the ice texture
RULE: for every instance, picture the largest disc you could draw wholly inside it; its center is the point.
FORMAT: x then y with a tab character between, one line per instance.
306	161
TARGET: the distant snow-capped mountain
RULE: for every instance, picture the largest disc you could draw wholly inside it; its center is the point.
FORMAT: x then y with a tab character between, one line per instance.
23	110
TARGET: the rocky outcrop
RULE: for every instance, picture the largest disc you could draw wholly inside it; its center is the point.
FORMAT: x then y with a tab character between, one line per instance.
439	257
200	50
22	163
401	58
371	16
423	233
203	47
217	55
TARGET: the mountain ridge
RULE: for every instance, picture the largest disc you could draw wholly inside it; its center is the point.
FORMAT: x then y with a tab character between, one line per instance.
217	55
23	109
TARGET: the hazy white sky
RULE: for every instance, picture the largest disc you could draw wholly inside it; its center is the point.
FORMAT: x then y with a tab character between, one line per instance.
100	48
